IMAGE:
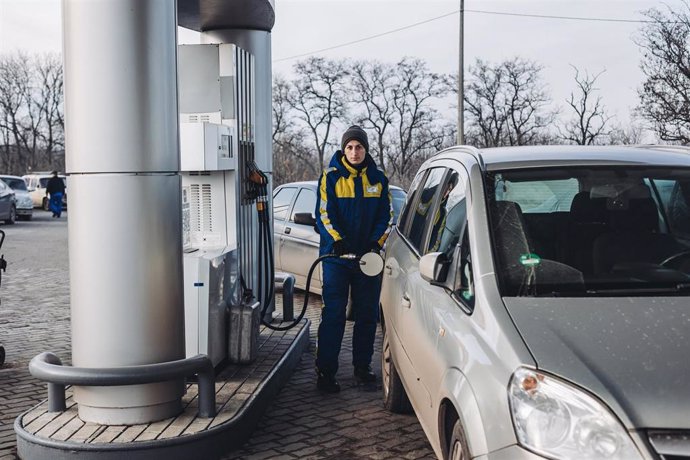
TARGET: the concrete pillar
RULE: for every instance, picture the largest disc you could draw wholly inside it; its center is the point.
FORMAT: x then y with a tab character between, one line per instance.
125	242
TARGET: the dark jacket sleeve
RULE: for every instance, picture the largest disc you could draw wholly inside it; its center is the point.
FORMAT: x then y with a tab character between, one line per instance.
327	218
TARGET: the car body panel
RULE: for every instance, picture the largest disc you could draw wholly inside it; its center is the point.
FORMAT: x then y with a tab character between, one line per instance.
632	352
7	201
445	350
25	207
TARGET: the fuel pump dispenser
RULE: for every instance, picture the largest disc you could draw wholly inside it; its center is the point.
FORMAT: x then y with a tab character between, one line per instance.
219	228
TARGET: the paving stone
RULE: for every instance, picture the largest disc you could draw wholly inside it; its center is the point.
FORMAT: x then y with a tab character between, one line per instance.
35	317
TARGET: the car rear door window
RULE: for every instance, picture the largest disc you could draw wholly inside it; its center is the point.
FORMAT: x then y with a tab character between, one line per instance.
414	188
281	202
539	196
305	203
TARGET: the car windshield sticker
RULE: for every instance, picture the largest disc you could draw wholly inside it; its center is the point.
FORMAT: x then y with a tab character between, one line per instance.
530	260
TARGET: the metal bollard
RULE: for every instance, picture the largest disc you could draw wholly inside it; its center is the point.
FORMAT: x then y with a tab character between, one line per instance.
287	282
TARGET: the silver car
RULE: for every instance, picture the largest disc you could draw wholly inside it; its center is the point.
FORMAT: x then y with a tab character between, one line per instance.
8	204
25	206
536	303
296	240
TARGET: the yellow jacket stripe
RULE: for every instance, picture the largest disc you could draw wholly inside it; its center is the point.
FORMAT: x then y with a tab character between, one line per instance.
323	212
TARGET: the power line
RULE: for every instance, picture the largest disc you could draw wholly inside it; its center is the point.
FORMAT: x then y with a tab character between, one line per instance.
569	18
498	13
368	38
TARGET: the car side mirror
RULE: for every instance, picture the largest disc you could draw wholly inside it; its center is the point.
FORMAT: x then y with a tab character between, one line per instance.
305	218
434	267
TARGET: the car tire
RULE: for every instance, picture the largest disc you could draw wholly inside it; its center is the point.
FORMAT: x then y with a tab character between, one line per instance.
2	356
13	216
46	204
394	396
458	448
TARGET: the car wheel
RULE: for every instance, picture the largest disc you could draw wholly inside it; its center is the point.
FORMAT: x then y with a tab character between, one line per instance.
13	216
394	396
46	204
458	449
2	356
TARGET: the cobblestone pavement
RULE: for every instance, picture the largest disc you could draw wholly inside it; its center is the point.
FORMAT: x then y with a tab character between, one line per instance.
301	423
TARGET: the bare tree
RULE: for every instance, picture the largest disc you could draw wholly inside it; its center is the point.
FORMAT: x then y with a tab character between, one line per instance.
31	112
665	93
589	122
292	159
507	104
319	98
50	97
484	102
419	130
626	135
14	76
373	85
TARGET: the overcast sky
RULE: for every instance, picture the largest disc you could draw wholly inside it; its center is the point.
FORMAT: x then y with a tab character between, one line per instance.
303	27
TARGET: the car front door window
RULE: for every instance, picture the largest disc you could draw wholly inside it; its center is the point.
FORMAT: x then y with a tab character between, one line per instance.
422	209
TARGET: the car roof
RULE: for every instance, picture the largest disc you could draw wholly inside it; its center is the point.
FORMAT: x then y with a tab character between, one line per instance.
574	155
8	176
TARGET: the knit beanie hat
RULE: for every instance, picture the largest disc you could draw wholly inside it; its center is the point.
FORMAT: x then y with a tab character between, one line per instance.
356	133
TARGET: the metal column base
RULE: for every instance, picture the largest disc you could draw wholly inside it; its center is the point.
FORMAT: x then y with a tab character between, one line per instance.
209	444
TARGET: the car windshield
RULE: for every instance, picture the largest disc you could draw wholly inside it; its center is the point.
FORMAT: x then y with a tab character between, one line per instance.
398	197
591	231
15	184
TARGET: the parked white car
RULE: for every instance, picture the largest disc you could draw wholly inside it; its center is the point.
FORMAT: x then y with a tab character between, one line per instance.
25	206
36	184
535	303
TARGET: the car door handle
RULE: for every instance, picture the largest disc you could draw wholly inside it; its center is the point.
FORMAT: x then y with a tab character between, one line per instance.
406	302
287	230
389	270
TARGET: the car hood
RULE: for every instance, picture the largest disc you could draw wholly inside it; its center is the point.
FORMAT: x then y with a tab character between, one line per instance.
631	352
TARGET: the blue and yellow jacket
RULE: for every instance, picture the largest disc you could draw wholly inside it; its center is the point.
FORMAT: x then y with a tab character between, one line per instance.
354	205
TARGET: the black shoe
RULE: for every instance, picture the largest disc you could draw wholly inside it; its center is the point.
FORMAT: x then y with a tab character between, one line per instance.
364	374
327	383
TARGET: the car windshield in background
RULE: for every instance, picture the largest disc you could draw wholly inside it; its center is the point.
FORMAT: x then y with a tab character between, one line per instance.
16	184
398	196
601	231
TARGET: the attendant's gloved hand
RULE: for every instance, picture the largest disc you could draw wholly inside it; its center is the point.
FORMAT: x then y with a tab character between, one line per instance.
340	247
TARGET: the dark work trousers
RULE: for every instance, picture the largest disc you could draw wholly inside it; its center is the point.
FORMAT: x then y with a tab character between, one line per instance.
337	281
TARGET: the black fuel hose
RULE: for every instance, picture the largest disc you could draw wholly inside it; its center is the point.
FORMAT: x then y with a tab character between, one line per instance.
306	294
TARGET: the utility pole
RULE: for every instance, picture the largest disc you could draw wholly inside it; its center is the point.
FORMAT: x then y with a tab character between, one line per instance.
461	79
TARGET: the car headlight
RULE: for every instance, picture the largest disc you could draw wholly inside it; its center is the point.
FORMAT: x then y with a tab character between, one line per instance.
555	419
26	202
